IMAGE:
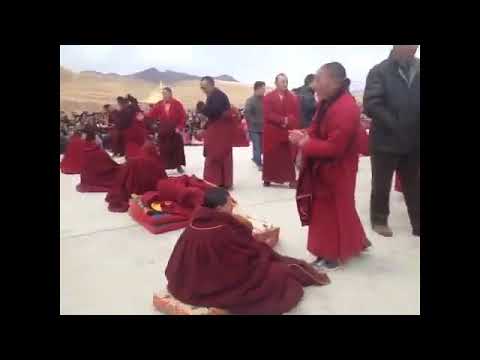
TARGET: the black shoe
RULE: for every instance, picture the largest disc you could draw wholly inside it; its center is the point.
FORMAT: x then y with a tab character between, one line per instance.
416	233
266	183
331	265
180	170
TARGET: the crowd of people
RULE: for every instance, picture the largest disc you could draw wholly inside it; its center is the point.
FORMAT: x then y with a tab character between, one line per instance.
310	138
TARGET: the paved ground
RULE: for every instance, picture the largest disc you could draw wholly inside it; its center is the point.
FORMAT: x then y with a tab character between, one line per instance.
111	265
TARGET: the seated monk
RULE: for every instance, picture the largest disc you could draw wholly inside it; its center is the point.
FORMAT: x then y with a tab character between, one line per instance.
217	262
137	176
72	158
99	170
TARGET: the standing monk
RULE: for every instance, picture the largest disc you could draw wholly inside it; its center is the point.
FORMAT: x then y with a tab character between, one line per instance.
392	100
281	113
326	186
218	168
170	116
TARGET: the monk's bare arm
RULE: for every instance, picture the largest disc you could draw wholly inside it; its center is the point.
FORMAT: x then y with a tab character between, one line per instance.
374	100
338	139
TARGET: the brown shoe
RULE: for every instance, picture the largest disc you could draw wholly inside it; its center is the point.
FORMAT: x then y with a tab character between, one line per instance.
383	230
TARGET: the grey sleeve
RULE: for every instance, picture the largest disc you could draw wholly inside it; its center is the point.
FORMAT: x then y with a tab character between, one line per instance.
249	110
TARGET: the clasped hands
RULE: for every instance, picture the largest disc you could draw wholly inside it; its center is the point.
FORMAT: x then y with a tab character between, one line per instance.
298	137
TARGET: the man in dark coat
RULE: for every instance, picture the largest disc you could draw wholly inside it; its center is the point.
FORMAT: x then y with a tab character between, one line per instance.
392	100
306	100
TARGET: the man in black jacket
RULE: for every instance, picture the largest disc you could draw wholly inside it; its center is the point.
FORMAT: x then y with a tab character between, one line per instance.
392	100
306	99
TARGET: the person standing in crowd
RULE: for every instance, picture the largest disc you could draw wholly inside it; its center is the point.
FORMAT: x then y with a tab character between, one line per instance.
217	148
281	113
326	185
392	100
254	117
306	97
170	116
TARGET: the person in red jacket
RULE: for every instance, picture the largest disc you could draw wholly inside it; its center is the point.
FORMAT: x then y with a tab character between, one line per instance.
281	113
170	116
326	186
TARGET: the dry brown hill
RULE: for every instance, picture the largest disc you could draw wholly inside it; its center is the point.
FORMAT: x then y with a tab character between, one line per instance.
89	91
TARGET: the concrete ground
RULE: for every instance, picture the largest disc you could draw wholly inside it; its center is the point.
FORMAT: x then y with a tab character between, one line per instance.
111	265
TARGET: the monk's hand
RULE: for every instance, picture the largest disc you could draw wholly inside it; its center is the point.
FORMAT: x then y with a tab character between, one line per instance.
285	122
303	140
295	136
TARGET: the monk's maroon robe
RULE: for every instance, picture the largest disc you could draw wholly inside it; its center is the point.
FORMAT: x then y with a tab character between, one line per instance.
278	153
72	160
98	171
330	171
218	138
170	116
217	262
137	176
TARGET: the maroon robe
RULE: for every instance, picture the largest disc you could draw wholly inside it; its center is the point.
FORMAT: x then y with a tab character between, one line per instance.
99	170
278	153
217	262
169	141
137	176
72	160
330	171
218	139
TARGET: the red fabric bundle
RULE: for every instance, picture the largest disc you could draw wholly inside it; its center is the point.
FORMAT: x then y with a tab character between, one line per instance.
72	160
137	176
99	170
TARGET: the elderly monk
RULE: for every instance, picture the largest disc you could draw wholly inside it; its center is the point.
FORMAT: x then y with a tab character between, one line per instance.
281	113
170	116
326	187
218	137
217	262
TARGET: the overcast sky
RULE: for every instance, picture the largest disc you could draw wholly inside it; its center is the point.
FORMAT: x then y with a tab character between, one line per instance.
246	63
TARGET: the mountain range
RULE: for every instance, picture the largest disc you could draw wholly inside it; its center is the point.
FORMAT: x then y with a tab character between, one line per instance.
153	75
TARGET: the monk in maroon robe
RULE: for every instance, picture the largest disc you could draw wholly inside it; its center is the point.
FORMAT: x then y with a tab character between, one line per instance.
137	176
218	135
281	114
99	170
72	160
217	262
326	188
170	116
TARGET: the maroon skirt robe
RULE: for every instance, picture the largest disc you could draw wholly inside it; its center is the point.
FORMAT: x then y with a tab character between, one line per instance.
218	139
216	262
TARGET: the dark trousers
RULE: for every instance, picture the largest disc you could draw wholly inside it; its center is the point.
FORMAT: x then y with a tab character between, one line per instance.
257	145
408	169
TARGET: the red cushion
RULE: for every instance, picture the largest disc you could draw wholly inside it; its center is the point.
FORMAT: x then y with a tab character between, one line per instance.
156	226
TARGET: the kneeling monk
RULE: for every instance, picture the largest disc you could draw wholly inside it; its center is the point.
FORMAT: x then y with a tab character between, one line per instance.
137	176
99	170
217	262
72	160
326	187
170	116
